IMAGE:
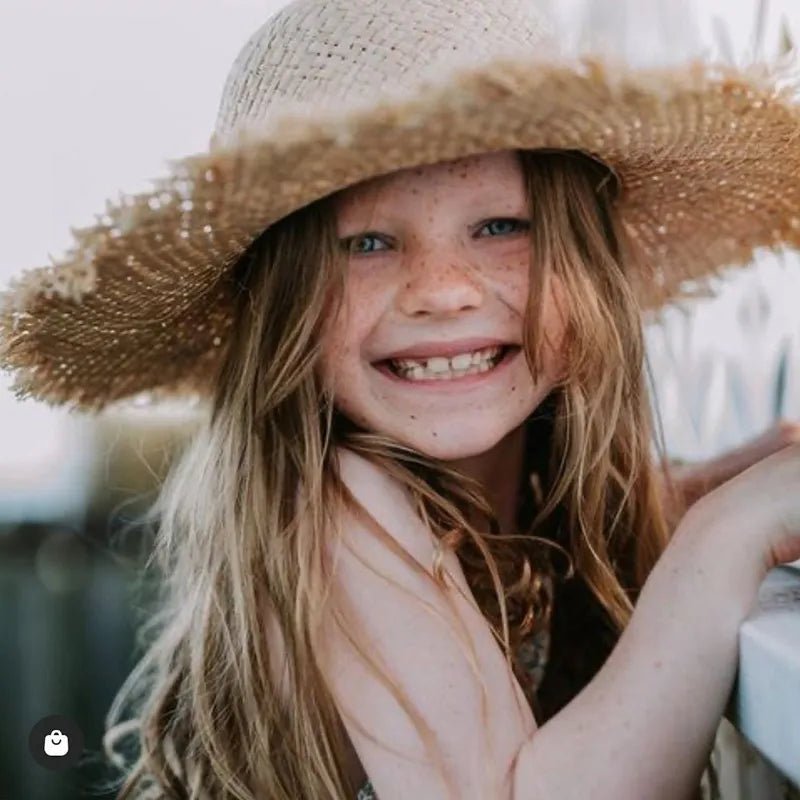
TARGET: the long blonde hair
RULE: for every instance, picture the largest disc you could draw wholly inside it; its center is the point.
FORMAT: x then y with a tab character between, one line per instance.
243	516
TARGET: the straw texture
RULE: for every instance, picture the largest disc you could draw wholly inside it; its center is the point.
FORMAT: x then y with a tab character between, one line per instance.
326	94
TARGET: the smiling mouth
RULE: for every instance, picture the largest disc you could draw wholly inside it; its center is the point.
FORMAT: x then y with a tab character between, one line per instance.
441	369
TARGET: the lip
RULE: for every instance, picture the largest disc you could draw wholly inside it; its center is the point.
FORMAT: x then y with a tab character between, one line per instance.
453	384
453	348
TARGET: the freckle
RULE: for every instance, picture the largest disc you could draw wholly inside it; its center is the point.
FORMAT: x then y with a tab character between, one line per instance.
658	665
412	416
513	388
434	433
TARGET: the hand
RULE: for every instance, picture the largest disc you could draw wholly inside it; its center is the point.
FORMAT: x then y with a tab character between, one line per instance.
782	434
757	511
693	481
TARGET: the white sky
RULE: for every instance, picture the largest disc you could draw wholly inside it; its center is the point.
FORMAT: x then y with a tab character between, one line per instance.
97	94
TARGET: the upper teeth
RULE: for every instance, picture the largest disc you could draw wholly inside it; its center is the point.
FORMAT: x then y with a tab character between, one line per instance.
442	364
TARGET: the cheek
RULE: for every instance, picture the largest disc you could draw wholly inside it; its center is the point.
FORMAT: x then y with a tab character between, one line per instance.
515	279
337	354
333	347
556	326
344	335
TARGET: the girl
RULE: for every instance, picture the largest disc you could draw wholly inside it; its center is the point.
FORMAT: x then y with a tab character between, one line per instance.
425	471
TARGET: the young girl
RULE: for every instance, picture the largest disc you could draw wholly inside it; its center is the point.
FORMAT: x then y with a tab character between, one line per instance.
419	546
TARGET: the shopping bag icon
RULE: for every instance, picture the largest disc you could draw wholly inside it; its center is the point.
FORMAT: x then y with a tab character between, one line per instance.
56	744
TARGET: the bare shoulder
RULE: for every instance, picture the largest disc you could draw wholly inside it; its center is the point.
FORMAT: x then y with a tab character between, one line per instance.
430	642
387	501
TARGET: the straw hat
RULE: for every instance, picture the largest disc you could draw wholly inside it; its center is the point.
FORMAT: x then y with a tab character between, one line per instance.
331	92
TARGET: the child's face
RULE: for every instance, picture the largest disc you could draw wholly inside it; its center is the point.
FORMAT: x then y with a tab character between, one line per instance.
442	262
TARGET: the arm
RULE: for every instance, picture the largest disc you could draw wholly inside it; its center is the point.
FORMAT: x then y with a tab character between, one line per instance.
691	481
644	726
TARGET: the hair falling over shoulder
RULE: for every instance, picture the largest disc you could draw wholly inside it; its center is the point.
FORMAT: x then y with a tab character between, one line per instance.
243	516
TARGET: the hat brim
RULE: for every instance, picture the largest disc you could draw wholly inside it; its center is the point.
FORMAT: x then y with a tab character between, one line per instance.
708	160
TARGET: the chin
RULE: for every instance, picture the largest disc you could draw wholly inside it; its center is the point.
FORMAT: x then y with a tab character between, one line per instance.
449	447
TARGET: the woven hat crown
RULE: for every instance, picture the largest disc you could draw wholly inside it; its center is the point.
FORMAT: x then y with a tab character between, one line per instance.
316	56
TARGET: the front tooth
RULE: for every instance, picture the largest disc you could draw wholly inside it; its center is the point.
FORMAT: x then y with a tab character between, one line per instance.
462	361
438	364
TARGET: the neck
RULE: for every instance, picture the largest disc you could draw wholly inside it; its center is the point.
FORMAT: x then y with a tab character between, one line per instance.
498	471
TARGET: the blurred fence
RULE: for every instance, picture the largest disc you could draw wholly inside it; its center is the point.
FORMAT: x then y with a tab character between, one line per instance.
66	616
71	599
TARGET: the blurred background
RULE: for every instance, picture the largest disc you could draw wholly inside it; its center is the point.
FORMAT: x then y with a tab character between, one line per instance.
95	96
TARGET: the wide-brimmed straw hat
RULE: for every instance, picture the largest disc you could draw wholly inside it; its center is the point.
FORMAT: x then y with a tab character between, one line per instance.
328	93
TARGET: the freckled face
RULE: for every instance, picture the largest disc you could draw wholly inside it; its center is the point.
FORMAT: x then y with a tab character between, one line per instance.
440	253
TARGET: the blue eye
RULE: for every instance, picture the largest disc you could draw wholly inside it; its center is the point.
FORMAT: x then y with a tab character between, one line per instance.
351	244
520	223
348	244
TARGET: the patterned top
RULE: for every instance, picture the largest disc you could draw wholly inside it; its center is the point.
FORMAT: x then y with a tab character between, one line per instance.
366	792
533	655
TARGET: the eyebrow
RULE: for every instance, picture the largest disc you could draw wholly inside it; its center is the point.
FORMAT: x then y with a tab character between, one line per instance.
486	205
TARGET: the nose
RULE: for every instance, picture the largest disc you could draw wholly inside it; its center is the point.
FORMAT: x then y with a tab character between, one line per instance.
439	283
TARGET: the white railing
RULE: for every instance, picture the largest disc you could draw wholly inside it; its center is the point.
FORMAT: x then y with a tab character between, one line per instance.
766	708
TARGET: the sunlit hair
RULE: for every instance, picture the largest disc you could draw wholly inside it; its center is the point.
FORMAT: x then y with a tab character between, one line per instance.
243	518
